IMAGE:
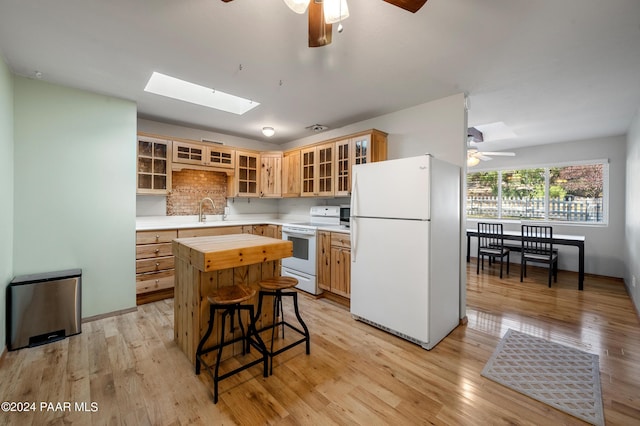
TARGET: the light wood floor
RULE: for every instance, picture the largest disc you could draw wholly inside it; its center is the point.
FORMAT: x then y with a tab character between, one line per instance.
130	367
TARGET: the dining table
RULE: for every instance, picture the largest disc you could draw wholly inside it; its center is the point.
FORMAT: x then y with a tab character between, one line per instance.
557	240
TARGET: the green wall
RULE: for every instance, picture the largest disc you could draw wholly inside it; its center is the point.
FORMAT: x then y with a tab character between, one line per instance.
74	186
6	188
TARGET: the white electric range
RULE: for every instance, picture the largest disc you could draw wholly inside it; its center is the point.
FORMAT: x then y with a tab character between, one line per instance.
302	265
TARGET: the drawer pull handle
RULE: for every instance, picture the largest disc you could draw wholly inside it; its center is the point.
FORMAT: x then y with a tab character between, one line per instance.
157	237
157	264
157	250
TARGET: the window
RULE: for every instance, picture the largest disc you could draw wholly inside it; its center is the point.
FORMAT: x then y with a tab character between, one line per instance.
568	193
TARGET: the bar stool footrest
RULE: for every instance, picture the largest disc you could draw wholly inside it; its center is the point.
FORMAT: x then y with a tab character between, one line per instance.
290	345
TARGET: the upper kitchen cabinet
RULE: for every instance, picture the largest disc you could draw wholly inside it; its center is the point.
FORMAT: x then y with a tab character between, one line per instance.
154	166
360	148
291	173
246	181
343	167
271	174
205	156
317	168
369	147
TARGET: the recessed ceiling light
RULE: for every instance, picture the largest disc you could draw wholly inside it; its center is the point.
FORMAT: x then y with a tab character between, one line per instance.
172	87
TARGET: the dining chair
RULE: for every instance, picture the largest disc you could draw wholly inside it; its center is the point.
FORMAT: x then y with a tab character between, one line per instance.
537	247
491	244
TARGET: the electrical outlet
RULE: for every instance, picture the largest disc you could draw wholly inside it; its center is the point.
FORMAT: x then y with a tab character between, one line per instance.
633	281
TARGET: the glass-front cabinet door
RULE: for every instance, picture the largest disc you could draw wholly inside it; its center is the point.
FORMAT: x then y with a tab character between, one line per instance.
360	146
308	172
247	174
154	166
343	168
325	170
317	170
188	153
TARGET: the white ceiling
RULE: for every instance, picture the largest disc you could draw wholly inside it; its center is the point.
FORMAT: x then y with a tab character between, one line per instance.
551	70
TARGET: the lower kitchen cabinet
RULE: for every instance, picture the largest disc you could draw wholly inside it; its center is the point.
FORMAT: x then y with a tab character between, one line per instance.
334	263
271	231
154	265
155	261
323	266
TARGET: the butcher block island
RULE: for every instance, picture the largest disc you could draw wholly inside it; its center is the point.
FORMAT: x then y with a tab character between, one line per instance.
204	264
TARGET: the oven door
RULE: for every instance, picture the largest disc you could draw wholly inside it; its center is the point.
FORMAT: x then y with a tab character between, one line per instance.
304	250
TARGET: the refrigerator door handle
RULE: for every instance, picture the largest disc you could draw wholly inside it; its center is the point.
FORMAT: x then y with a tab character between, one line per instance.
354	239
354	218
354	196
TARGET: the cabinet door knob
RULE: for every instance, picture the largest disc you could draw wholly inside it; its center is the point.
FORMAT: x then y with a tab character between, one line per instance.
157	251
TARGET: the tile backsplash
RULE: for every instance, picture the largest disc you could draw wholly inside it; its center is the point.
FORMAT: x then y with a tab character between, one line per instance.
189	187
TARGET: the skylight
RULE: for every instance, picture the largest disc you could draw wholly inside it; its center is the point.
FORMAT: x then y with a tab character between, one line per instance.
172	87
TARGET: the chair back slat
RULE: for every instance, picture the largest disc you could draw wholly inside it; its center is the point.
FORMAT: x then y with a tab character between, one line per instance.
490	235
537	239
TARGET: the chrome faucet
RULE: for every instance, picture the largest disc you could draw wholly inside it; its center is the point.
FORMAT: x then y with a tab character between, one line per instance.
202	217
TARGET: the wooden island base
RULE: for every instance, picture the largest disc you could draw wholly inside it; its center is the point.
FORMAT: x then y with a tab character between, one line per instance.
204	264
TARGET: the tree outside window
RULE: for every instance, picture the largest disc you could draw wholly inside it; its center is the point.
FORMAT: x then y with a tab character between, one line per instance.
573	193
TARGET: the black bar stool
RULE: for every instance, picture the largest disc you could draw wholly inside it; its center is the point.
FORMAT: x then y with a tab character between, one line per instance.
274	287
228	300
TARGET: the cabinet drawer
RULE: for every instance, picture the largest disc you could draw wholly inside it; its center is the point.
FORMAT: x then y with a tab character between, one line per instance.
157	264
154	237
338	239
154	281
153	250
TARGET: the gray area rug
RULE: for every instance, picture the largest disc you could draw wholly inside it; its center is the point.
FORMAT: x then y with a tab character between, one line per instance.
557	375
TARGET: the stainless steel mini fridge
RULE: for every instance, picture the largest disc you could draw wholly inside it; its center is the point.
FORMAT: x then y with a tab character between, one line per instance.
42	308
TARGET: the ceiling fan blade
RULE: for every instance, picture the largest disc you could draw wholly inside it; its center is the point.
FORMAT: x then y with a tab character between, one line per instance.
410	5
319	31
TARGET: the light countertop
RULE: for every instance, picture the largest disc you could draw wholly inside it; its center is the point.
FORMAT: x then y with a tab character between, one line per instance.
152	223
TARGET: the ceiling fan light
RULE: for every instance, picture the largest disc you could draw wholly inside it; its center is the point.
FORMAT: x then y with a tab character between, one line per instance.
335	11
472	161
268	131
298	6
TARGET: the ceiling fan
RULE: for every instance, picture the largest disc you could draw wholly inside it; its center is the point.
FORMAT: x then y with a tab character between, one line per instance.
474	155
324	13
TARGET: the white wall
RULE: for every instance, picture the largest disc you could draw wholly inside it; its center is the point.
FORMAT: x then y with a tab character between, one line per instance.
632	214
176	131
6	189
75	186
604	251
437	127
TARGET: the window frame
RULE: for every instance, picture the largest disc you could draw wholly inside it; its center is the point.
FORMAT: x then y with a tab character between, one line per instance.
546	167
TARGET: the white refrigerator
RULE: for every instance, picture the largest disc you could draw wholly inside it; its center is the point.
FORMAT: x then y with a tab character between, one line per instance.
405	247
